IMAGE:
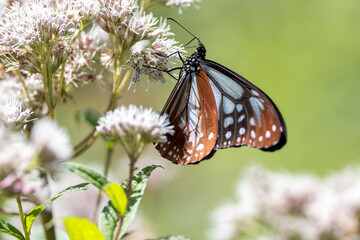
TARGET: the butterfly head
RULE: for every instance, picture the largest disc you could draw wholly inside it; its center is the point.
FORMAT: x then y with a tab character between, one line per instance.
192	64
200	51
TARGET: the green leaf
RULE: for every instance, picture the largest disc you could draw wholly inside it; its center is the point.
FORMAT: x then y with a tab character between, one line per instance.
175	237
82	229
31	216
10	229
138	187
108	221
109	215
117	196
87	174
89	116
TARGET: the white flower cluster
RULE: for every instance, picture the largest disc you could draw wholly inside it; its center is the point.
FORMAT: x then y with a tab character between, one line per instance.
80	66
47	147
289	206
134	127
180	3
37	20
157	57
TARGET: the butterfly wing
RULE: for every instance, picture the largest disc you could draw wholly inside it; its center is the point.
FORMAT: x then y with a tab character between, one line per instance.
191	108
246	115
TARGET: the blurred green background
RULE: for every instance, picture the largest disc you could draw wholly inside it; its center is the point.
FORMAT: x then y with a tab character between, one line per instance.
304	54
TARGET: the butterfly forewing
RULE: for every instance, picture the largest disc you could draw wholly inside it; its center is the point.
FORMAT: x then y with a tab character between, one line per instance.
247	116
192	110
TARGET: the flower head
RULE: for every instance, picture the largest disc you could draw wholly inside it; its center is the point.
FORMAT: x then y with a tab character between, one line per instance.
51	143
157	56
134	127
292	206
16	156
13	113
180	3
37	21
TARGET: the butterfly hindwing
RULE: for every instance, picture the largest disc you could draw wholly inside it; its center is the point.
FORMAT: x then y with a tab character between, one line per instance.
247	116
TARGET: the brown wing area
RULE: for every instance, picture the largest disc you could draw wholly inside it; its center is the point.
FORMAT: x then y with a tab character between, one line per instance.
192	110
261	128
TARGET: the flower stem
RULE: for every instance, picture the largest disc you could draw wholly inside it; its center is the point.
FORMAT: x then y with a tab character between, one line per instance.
131	176
86	143
128	192
61	83
47	216
17	72
118	228
22	217
109	154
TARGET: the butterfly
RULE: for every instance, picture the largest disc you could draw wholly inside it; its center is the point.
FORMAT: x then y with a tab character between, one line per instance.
213	107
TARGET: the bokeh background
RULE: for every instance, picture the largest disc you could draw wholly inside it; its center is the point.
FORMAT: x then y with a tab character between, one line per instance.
305	54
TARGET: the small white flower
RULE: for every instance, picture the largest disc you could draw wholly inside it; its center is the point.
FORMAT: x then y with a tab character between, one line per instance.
180	3
14	113
52	144
157	56
114	14
134	127
88	9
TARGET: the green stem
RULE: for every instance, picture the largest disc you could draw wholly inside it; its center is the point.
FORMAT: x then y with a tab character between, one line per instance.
109	154
47	79
17	72
22	217
131	176
47	216
133	160
86	143
61	83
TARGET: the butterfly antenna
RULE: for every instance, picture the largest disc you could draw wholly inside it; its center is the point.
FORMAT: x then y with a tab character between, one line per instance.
171	19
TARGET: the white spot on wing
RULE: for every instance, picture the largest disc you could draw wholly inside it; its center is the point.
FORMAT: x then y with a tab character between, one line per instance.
252	121
228	134
274	128
267	134
261	138
170	153
228	106
200	147
242	131
211	135
239	107
254	92
242	117
253	134
228	121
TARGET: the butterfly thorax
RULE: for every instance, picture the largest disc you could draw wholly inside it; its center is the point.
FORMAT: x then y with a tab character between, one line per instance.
192	64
